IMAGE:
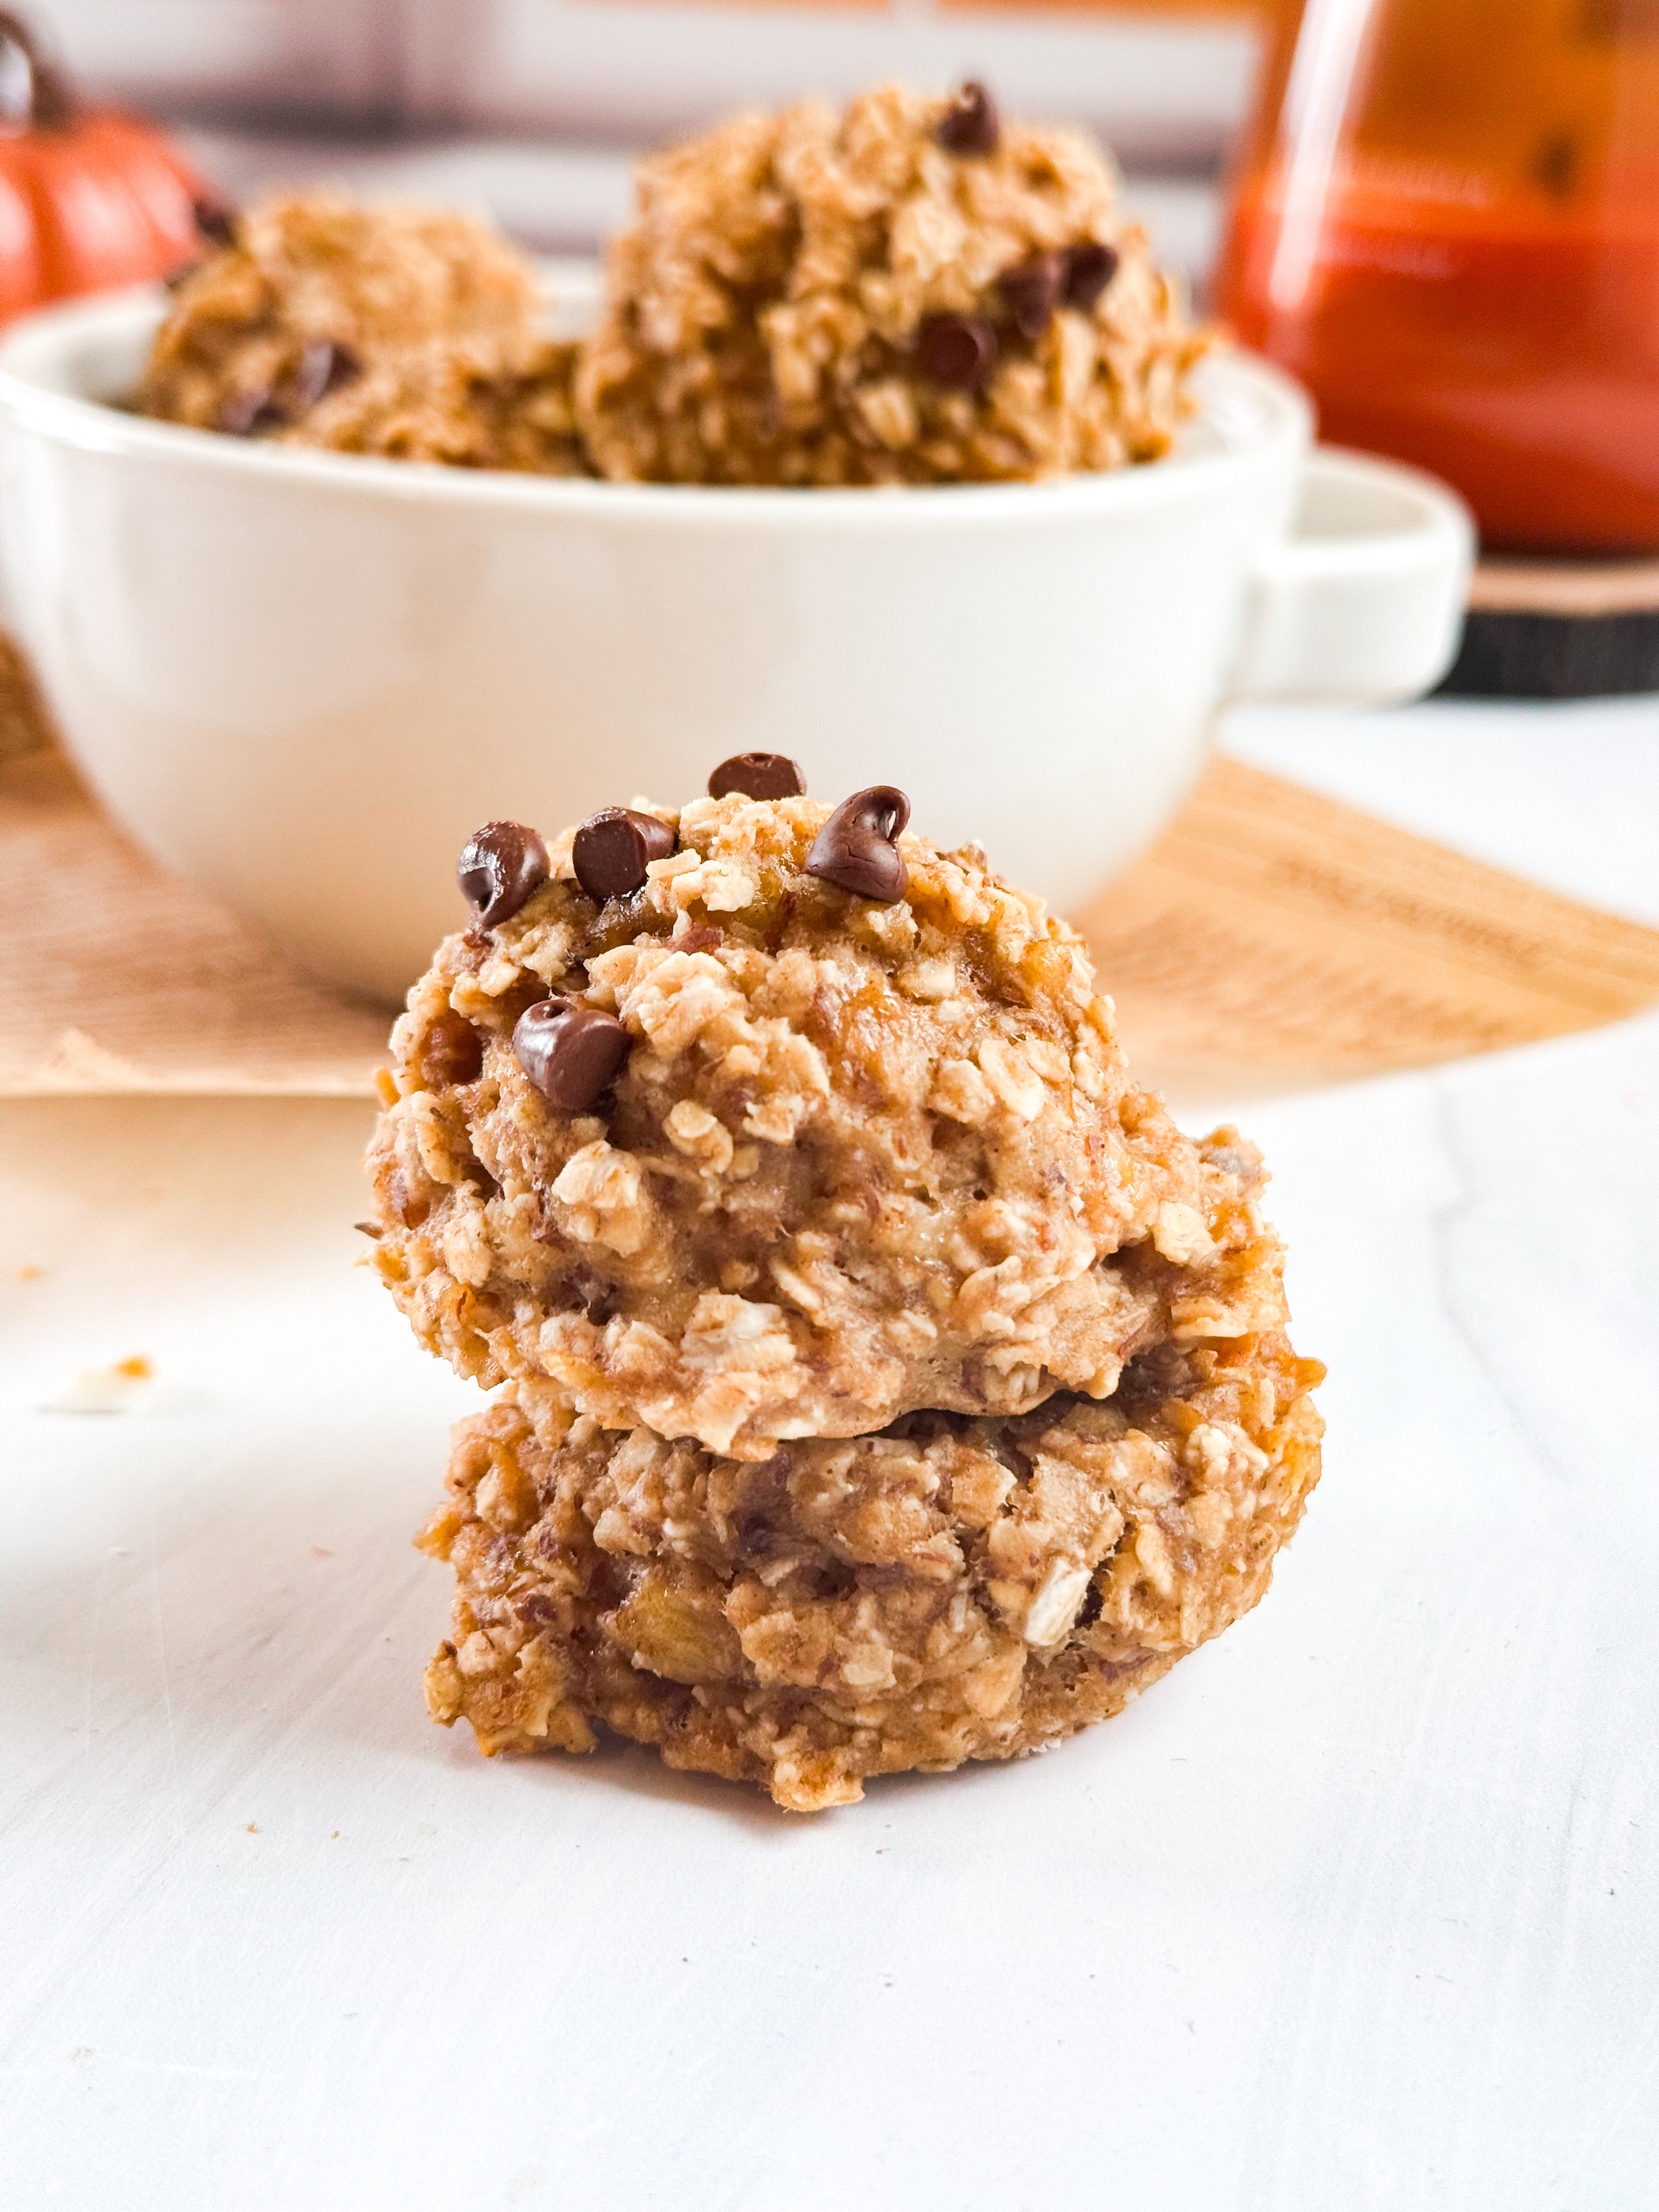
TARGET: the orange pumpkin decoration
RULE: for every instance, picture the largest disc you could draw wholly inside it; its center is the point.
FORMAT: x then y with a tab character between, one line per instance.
88	199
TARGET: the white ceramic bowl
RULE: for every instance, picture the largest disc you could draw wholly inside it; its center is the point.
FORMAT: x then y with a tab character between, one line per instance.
302	679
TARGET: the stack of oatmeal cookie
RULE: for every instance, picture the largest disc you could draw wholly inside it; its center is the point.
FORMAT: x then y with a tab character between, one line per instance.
883	1380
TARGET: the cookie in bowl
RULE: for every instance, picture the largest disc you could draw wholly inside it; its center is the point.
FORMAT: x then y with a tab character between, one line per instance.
909	291
405	333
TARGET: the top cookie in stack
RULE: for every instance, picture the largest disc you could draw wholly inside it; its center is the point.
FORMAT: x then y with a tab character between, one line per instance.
765	1120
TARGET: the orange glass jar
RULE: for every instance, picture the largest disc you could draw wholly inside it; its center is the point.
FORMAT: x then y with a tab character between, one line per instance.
1446	223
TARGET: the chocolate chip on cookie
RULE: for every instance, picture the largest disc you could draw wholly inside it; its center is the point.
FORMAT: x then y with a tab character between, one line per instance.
971	123
757	776
1030	292
323	367
1089	268
501	866
856	848
570	1053
246	413
613	848
730	232
215	226
958	351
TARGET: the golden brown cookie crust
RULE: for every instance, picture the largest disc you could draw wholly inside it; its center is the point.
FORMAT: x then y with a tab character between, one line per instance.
862	1159
952	1589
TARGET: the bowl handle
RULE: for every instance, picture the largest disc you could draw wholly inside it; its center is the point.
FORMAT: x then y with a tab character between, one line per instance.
1364	599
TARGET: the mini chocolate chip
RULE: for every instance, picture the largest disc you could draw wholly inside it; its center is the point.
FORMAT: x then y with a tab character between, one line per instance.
1031	293
970	124
958	351
213	222
246	413
368	1229
450	1052
1089	268
757	776
612	848
501	866
323	367
570	1053
856	848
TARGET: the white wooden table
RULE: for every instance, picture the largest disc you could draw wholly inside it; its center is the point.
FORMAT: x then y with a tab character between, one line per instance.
1358	1908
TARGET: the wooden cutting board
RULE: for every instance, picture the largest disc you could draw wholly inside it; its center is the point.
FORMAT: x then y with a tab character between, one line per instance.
1275	936
1271	939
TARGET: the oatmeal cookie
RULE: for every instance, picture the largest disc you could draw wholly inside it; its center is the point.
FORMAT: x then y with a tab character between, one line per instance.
953	1588
459	404
910	291
393	330
784	1127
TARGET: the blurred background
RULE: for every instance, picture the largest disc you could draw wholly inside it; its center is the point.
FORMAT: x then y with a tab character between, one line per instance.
532	108
1441	215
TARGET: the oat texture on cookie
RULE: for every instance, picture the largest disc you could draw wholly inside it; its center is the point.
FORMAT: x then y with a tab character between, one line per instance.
852	1157
885	1380
909	290
950	1588
398	331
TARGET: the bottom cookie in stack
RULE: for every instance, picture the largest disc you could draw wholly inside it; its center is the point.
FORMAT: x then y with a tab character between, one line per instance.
950	1587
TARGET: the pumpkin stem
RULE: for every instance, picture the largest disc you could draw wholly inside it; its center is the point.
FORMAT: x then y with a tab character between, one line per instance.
33	94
